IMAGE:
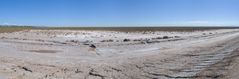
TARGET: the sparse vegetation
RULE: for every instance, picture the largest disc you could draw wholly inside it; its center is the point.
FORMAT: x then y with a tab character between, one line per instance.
145	30
73	41
137	40
7	29
158	38
109	40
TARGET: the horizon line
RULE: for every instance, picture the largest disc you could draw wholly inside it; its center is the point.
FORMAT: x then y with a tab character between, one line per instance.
128	25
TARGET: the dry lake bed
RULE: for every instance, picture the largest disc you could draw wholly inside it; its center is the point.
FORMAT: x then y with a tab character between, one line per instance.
99	54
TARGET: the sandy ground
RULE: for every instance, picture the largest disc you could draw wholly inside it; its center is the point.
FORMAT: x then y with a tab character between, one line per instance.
68	54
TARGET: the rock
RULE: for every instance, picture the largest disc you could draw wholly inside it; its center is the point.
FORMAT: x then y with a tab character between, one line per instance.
126	40
92	46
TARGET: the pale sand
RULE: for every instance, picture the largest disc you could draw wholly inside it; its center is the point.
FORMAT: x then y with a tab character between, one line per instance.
66	54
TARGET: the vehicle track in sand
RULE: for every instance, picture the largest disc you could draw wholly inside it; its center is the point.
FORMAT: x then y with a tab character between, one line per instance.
202	57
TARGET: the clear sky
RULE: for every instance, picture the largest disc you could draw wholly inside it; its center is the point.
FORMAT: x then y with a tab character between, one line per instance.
119	12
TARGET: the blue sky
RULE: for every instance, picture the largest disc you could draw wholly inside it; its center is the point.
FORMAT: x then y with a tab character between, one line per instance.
119	12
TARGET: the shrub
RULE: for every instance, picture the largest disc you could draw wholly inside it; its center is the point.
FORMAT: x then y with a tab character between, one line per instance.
110	40
165	37
159	38
73	41
137	40
126	40
176	36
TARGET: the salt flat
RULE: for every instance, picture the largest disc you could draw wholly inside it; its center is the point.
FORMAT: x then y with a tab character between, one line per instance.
95	54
